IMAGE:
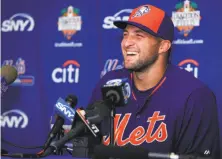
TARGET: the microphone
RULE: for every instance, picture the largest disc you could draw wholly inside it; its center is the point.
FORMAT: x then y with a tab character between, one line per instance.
117	91
135	152
8	76
64	111
96	112
93	115
91	126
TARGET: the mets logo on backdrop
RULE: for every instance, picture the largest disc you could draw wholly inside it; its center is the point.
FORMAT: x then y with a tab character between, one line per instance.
190	65
185	18
69	23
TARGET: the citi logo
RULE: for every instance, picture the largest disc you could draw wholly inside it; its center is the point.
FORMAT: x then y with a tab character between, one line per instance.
108	21
69	72
14	119
18	22
190	65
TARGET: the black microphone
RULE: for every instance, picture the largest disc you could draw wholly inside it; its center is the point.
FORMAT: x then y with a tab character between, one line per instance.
135	152
8	76
71	100
117	91
63	111
96	112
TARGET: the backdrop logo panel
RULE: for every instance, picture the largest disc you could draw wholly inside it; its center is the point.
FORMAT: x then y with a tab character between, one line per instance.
69	23
68	73
110	65
19	22
14	119
22	79
185	19
190	65
121	15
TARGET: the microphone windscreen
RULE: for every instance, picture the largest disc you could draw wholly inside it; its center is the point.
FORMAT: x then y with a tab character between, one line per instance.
72	99
9	73
124	152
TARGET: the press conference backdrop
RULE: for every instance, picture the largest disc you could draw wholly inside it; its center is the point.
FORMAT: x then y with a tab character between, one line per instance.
55	57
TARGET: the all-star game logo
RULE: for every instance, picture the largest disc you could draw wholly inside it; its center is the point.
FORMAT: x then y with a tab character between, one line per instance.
69	23
185	19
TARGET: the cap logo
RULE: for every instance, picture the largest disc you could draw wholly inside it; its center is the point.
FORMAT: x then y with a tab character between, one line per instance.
143	10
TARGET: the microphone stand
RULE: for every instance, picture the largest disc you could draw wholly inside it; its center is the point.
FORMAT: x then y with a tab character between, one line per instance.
112	115
60	134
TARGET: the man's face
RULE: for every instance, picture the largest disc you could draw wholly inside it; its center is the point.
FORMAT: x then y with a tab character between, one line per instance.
139	48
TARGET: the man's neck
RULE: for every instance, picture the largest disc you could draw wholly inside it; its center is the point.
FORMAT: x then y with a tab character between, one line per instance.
150	77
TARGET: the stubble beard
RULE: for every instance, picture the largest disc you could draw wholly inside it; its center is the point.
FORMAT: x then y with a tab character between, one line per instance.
142	65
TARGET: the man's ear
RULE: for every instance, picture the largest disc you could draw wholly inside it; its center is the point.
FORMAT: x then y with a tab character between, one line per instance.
165	45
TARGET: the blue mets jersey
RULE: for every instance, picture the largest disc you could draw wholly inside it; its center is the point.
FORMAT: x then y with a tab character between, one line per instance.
180	115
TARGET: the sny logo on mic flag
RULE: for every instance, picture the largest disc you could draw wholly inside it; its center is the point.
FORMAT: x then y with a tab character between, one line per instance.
64	110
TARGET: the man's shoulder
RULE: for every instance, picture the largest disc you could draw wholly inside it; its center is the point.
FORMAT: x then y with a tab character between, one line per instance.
182	86
184	80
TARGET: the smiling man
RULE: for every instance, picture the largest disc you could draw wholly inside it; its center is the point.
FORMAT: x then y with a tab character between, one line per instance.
169	109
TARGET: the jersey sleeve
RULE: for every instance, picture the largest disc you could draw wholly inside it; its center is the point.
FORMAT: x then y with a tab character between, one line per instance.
197	130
